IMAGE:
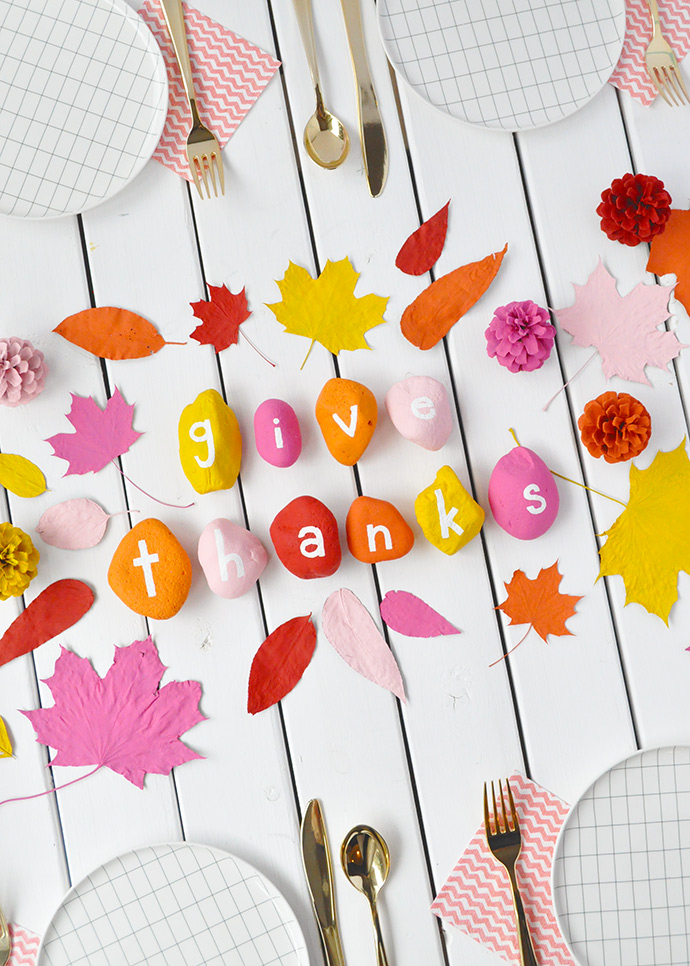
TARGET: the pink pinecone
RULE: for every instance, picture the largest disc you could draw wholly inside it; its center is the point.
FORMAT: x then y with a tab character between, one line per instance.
520	336
23	371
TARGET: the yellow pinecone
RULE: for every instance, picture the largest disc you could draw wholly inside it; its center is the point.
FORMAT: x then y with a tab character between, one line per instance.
18	561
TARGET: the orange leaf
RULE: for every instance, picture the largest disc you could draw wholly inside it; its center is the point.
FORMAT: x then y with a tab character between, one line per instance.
112	333
438	308
670	252
424	246
538	602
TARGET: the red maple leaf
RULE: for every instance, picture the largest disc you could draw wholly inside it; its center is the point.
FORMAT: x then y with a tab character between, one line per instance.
101	434
221	317
124	721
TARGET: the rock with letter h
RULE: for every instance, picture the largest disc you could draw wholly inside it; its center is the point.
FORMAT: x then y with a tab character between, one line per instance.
447	514
231	557
210	443
523	495
305	537
377	531
150	571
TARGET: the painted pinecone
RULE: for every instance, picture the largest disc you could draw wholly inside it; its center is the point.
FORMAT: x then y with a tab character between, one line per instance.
520	336
18	561
23	371
616	426
634	209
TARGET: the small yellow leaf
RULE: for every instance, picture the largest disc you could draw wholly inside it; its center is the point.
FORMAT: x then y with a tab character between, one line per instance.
21	476
5	743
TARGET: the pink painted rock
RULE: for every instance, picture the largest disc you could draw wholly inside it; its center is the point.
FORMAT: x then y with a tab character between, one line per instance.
305	537
418	408
276	432
523	494
231	557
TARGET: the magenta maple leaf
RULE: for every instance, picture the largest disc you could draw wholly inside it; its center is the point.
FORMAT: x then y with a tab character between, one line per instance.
101	434
622	328
124	721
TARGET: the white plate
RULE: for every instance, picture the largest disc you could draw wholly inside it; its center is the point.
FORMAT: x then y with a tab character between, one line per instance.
174	905
83	101
506	64
621	871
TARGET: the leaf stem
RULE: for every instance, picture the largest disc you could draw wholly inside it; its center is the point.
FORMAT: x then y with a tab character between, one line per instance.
175	506
256	349
55	788
307	355
583	366
585	487
175	343
515	646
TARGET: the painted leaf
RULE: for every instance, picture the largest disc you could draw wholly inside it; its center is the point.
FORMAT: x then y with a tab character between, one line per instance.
221	317
623	329
101	434
124	721
112	333
21	476
670	253
410	615
325	309
280	662
5	743
424	246
649	543
73	524
349	627
55	609
433	313
539	603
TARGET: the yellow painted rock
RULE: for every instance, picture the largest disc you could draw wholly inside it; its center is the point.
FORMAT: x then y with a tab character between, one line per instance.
150	571
210	443
346	412
447	514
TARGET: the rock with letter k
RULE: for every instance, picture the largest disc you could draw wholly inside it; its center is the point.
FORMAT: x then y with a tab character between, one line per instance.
447	514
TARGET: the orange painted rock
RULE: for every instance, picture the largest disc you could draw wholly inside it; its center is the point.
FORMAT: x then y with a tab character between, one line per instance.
377	531
150	571
305	537
346	412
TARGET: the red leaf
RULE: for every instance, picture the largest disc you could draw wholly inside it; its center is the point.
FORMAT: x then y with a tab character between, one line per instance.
423	247
55	609
221	317
101	434
280	662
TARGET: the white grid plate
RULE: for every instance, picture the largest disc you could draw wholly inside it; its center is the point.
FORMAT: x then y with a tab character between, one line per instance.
506	64
174	905
621	872
83	100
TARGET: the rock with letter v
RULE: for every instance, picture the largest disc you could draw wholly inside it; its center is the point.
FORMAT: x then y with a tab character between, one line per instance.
346	412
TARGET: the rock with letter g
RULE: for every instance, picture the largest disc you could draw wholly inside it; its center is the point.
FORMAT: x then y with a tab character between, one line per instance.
210	443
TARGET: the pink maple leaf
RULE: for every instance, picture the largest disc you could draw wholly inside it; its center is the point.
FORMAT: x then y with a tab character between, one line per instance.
124	720
101	434
622	328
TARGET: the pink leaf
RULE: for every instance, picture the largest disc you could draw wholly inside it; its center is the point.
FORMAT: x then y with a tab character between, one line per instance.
409	615
124	720
101	434
349	627
73	525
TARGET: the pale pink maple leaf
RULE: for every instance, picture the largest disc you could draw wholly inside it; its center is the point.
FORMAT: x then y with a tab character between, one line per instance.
101	434
622	328
124	720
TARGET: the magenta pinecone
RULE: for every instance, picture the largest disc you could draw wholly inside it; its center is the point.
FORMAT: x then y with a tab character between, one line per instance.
23	371
520	336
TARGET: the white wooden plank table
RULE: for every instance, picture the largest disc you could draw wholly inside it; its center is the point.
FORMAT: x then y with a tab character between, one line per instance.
563	712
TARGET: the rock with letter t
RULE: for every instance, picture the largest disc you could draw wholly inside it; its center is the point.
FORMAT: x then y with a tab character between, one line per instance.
346	412
447	514
150	571
210	443
305	537
523	495
231	557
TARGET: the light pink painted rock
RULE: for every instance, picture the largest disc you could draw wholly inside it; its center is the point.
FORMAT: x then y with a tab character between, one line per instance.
523	494
419	409
276	432
231	557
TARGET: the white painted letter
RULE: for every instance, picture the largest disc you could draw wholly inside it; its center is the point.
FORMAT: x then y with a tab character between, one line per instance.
423	408
316	542
371	537
278	434
532	494
225	558
445	517
144	560
201	432
350	430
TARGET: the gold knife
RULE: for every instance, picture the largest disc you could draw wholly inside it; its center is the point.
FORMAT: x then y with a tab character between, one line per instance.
316	857
371	133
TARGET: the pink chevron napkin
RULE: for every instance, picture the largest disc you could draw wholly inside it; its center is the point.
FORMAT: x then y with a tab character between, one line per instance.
630	73
229	75
24	946
476	896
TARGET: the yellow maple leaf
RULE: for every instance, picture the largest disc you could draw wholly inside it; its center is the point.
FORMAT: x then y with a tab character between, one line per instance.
650	541
5	743
326	309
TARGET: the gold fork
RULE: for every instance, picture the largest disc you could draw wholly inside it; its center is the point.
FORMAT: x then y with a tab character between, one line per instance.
504	841
203	150
662	64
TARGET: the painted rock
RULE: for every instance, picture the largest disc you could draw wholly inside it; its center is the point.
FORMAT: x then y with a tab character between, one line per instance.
346	413
418	408
231	557
447	514
523	495
305	537
150	571
276	433
210	443
376	531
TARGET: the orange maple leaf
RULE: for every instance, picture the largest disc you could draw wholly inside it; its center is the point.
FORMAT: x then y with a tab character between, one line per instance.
538	603
669	253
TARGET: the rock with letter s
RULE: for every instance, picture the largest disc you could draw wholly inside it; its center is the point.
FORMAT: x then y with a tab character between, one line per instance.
523	495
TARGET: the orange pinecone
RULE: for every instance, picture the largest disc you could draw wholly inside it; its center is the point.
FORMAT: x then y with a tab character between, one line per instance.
616	426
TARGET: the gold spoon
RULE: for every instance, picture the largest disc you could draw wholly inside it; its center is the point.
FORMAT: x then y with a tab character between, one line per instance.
366	862
325	139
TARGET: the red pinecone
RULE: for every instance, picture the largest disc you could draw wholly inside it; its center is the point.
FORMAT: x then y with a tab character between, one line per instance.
634	209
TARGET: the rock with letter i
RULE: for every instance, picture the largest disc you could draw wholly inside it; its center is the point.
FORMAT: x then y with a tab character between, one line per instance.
447	513
523	495
277	433
150	571
305	537
210	443
231	557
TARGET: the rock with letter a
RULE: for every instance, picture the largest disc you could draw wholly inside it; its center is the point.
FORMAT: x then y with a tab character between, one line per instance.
277	433
210	443
447	514
150	571
377	531
346	412
305	537
419	409
523	495
231	557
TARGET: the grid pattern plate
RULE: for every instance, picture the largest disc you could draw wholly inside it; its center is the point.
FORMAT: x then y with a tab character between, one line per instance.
621	874
174	905
83	100
506	64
